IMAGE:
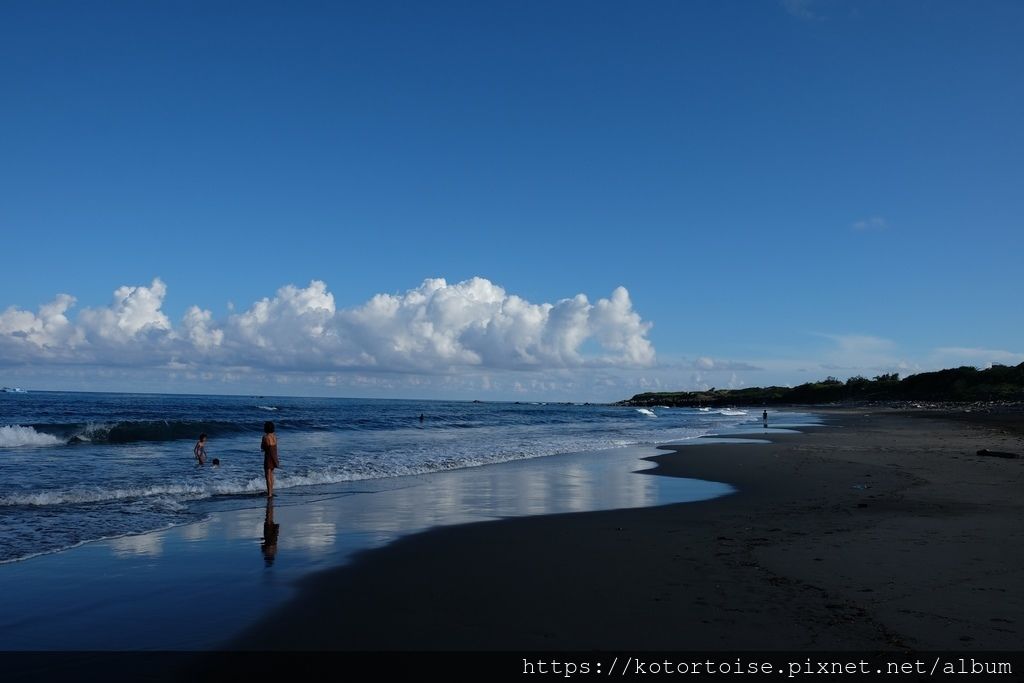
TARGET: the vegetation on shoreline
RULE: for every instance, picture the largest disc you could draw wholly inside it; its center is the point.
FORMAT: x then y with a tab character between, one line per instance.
963	384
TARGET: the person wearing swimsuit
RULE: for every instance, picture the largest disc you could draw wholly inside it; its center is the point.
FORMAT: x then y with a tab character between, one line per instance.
200	450
270	460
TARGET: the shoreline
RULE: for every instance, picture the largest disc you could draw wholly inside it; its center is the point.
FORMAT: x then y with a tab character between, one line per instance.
831	537
879	532
210	579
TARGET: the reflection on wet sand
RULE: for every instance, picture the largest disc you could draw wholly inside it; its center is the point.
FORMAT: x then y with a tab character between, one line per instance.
135	546
205	581
271	530
346	515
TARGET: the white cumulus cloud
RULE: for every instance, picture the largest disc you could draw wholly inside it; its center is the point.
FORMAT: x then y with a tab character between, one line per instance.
135	310
433	328
198	328
47	334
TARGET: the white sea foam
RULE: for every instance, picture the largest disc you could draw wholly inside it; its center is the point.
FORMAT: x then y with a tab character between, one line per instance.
732	413
267	407
101	495
12	436
169	497
646	411
58	549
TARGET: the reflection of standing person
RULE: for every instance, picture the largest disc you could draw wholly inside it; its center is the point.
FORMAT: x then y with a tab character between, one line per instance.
270	460
200	450
270	531
764	416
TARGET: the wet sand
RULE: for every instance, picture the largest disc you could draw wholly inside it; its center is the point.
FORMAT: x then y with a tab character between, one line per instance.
879	531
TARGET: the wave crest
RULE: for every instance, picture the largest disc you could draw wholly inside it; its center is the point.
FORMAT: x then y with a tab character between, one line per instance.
142	430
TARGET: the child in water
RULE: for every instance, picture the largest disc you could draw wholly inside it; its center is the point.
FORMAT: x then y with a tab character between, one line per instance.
200	450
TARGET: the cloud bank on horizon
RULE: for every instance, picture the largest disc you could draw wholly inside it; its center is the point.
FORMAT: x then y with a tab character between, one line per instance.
437	339
434	328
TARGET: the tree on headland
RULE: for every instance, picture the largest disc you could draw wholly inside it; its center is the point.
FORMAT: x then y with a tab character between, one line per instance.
963	384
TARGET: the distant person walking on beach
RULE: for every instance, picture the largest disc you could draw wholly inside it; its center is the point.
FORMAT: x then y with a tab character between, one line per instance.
270	460
764	416
200	450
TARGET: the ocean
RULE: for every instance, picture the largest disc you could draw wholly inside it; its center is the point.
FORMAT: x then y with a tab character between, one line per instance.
78	467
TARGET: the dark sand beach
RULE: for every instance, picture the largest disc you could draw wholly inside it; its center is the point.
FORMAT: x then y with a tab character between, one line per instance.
877	531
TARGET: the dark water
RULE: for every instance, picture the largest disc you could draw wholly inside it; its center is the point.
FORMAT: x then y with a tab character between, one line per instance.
76	467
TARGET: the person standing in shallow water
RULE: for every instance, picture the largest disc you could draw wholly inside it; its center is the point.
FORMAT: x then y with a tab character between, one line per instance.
270	460
200	450
764	416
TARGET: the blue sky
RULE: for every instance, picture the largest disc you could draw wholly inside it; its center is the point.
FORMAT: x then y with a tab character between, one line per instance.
786	190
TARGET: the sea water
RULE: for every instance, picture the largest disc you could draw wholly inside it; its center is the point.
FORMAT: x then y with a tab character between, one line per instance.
77	467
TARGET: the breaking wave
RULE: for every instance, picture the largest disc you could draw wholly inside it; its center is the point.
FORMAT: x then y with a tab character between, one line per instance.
12	436
135	431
